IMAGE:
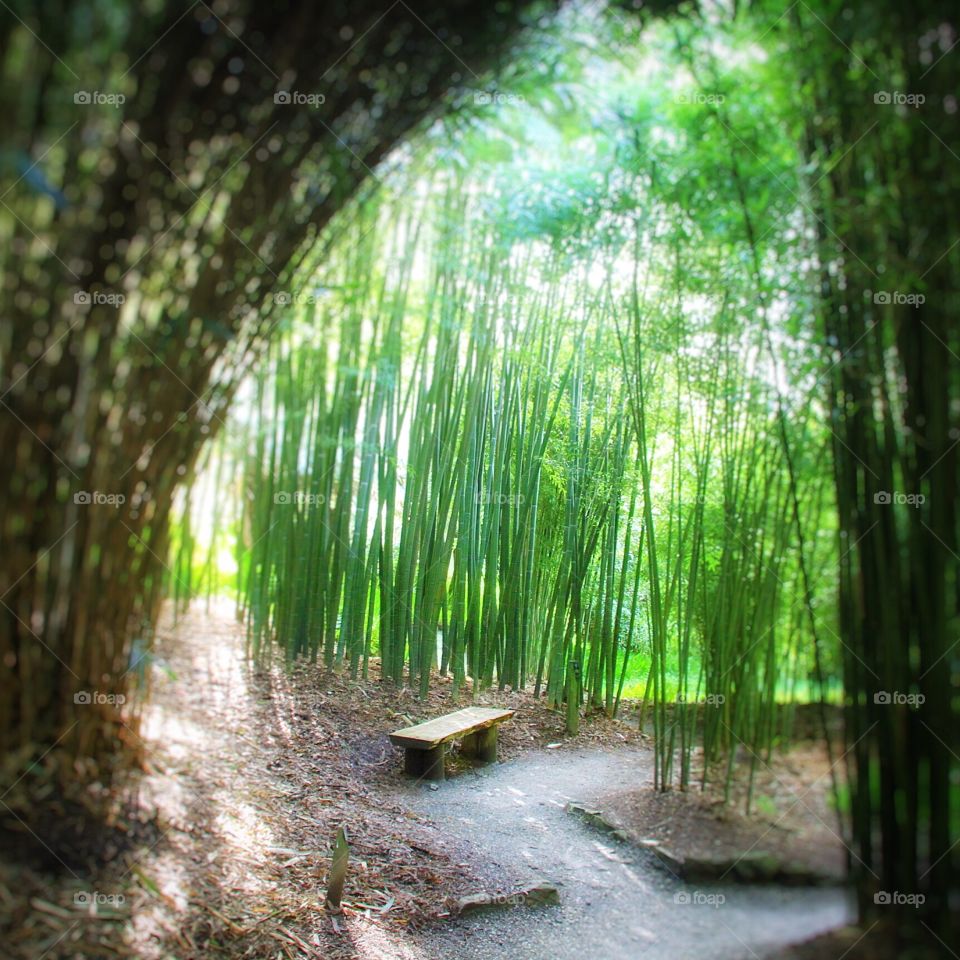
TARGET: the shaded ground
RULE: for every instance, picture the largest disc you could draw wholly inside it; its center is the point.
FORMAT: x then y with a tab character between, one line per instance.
880	940
223	852
791	835
616	900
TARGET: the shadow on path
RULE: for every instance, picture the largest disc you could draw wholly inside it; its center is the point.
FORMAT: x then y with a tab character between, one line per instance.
616	900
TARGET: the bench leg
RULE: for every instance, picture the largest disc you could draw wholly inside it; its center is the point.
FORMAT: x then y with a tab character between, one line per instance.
481	745
424	764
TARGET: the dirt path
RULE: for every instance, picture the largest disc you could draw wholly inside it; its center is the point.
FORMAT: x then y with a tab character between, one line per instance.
616	902
250	773
236	751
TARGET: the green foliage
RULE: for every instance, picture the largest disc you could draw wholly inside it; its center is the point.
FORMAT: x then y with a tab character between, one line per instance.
520	420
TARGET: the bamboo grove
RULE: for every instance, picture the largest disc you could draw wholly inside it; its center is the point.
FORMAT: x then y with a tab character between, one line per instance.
624	372
518	458
574	436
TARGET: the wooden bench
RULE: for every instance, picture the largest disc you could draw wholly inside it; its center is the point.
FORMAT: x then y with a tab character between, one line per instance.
424	744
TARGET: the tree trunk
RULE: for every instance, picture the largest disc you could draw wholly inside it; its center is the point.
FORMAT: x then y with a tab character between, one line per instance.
195	199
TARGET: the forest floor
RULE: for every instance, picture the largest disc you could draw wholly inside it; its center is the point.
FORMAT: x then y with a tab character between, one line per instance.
249	774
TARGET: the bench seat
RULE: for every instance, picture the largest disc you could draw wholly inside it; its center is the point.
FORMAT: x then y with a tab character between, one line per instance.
424	743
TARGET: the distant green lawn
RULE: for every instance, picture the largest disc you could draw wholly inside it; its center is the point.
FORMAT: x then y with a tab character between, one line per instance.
638	670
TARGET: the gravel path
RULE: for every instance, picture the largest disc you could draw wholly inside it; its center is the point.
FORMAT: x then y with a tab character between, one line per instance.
617	902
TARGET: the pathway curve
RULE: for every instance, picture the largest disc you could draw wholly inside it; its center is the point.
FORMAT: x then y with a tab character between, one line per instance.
617	902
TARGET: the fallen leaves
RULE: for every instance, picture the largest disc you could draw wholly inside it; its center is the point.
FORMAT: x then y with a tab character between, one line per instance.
250	780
